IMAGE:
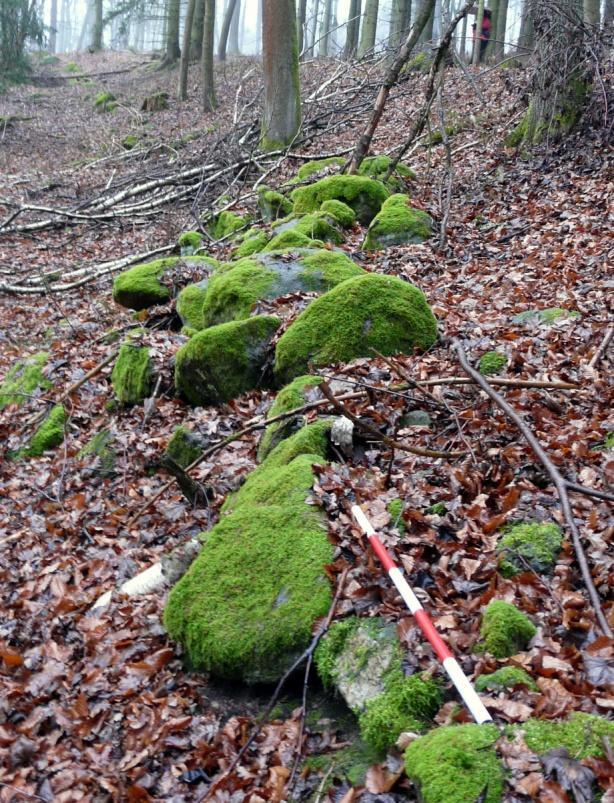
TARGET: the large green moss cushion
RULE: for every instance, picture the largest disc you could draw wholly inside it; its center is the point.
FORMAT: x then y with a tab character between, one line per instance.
157	282
359	315
246	607
397	223
364	195
224	361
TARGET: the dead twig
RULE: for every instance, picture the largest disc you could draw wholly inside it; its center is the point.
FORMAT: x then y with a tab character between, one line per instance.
558	481
603	346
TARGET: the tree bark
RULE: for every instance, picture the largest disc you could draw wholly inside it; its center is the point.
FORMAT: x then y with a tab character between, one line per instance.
477	34
223	41
427	31
301	18
526	37
196	38
500	33
233	37
591	12
97	27
608	13
392	75
172	32
353	28
325	28
369	28
494	21
53	26
208	79
399	22
282	103
182	91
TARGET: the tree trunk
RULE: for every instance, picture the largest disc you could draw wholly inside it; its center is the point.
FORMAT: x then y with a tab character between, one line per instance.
196	39
182	91
608	13
325	28
591	12
97	27
301	18
463	40
501	30
427	32
233	38
172	32
282	103
208	78
312	34
369	28
494	21
223	41
477	34
259	26
353	28
559	90
399	22
53	26
526	37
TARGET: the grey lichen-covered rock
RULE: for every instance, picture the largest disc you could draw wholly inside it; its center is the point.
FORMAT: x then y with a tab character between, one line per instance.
233	292
397	223
222	362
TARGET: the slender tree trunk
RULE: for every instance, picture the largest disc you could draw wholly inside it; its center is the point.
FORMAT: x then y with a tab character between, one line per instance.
314	28
172	32
500	32
282	103
427	32
494	21
223	41
208	79
97	27
399	22
353	28
325	28
463	40
182	91
233	38
259	26
591	12
369	28
53	26
301	18
526	37
608	13
477	34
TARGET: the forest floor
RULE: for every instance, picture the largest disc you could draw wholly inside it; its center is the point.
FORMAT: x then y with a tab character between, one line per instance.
100	707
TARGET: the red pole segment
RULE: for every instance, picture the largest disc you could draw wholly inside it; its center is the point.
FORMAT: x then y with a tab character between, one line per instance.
441	649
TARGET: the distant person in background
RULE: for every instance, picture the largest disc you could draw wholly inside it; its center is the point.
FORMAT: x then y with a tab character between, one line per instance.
485	35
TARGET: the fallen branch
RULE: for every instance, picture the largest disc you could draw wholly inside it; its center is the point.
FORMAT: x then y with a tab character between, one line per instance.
558	481
602	348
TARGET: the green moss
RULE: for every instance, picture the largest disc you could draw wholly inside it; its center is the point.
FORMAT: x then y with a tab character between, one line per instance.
24	379
253	242
224	361
140	287
535	129
421	62
189	242
533	545
189	305
231	295
397	223
349	764
395	508
184	447
246	606
331	646
49	435
377	167
72	66
272	204
323	270
407	704
105	102
456	764
438	509
289	398
317	166
315	226
505	629
492	362
311	439
226	224
342	213
364	195
99	448
129	142
505	678
582	735
357	316
546	316
291	239
131	375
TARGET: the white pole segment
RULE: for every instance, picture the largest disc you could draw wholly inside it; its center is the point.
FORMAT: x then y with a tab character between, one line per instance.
466	691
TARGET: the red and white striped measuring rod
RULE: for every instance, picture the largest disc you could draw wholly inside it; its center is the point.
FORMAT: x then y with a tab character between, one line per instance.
449	662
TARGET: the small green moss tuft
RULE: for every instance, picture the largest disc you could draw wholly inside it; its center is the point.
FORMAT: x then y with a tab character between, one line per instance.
72	66
456	764
222	362
273	205
343	214
349	764
505	629
547	316
505	678
105	102
493	362
317	166
377	167
397	223
49	435
438	509
582	735
359	315
534	545
331	646
129	142
407	704
23	380
289	398
99	448
395	507
226	224
184	447
364	195
131	375
189	242
253	242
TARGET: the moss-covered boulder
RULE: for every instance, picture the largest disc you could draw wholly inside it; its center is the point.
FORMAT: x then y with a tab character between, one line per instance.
246	607
364	195
362	659
342	213
24	379
273	205
233	293
377	167
319	167
132	373
456	764
505	678
189	242
100	454
189	305
289	398
493	362
359	315
397	223
222	362
226	224
184	446
525	546
49	434
505	630
583	735
158	282
315	226
253	241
